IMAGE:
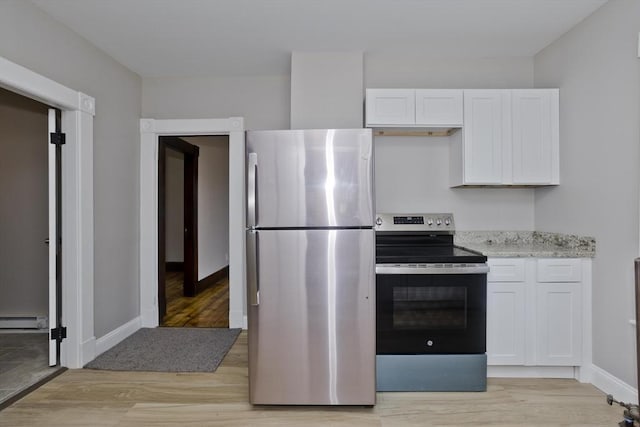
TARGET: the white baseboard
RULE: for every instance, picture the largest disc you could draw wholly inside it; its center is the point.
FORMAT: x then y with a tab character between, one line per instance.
245	323
149	318
531	372
88	351
237	319
107	341
610	384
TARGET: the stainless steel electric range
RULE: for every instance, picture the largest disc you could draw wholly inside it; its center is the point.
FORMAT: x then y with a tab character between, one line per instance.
431	299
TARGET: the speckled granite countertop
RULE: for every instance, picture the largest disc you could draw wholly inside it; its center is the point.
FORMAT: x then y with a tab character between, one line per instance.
537	244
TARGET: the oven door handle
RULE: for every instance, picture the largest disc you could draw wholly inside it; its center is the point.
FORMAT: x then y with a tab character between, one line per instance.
435	269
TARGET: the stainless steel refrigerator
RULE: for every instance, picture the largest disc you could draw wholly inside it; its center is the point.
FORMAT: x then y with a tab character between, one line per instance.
311	267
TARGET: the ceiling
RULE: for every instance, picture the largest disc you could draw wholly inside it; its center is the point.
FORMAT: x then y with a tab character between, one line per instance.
164	38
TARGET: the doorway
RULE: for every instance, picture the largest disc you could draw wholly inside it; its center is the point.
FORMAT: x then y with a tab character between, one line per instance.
193	231
150	132
77	111
24	248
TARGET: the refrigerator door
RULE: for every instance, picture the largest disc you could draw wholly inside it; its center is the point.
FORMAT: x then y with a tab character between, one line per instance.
312	317
310	178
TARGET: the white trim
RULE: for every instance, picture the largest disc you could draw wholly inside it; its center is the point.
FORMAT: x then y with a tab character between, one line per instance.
114	337
613	385
77	202
585	372
150	130
19	79
89	350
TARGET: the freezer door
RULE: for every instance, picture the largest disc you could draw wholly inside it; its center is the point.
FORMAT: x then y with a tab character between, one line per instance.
312	317
310	178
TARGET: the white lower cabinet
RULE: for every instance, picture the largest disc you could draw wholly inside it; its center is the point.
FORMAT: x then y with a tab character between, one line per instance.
558	324
505	323
532	321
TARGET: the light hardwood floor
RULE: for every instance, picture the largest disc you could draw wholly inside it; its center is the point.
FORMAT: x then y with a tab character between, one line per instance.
208	309
105	398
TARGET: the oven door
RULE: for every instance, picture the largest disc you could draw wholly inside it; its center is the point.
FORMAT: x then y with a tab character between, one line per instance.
431	313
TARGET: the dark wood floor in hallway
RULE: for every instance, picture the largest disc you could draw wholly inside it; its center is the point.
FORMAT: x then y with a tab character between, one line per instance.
208	309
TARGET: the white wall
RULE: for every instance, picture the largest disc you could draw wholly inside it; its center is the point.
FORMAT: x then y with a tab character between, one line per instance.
213	203
412	173
174	208
24	261
598	72
32	39
263	101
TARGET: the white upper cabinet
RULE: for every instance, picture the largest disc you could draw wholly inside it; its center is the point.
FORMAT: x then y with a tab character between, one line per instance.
390	107
439	107
510	137
535	136
486	114
414	108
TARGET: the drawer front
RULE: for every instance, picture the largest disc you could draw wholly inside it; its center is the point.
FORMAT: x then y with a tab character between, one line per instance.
506	270
559	270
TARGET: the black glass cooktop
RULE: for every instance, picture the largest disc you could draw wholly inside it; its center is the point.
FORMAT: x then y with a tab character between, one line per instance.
427	254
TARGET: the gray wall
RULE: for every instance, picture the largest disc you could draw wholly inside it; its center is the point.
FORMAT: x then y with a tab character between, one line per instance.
419	164
32	39
24	261
263	101
326	90
598	72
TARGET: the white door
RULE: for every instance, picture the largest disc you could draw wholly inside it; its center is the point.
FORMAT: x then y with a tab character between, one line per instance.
53	242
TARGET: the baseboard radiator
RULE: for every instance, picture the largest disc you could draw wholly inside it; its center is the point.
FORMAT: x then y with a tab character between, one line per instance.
24	322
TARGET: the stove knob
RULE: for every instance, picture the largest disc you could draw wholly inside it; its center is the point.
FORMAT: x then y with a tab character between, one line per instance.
447	221
430	222
438	221
378	221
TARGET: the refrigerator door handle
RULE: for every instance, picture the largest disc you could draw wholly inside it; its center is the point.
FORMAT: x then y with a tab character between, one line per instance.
252	189
252	268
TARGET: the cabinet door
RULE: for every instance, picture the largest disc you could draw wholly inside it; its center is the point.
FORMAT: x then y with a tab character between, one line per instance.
506	323
439	107
390	107
535	136
486	125
558	324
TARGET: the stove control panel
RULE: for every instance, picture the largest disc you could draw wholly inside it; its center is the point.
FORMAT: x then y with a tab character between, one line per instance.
434	222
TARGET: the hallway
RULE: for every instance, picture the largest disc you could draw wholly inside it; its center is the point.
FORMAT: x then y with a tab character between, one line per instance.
208	309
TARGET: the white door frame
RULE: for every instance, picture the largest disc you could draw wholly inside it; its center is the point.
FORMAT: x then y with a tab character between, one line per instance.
78	110
150	130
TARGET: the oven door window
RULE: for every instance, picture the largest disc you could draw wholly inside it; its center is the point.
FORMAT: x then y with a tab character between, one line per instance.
429	307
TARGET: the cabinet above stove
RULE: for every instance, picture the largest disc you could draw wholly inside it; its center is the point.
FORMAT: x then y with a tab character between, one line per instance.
498	137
